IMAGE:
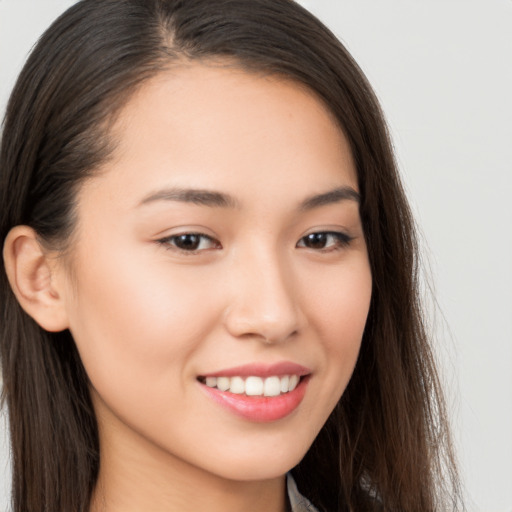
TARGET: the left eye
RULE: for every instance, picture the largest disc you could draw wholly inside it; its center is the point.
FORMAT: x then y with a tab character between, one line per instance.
190	242
324	240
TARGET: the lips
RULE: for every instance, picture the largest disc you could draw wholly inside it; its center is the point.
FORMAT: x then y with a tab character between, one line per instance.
259	393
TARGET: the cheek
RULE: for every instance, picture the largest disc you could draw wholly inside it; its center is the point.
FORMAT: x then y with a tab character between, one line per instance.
341	309
136	321
343	301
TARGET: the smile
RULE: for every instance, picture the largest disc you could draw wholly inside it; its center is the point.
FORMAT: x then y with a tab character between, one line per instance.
253	385
258	392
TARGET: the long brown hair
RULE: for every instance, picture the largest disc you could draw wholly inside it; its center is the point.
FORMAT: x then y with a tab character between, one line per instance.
386	446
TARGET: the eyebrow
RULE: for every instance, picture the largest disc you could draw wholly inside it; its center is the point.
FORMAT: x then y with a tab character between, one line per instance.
195	196
332	196
219	199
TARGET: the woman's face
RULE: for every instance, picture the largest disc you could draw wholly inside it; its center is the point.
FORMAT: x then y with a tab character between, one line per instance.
221	248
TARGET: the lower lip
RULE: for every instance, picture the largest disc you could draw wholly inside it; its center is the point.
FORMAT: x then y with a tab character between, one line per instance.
262	409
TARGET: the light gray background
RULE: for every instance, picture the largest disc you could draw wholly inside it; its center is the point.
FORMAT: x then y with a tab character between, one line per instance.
443	72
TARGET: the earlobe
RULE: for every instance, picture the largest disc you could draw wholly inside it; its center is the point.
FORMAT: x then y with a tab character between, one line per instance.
32	275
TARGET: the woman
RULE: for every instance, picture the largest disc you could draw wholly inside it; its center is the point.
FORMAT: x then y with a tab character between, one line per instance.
210	272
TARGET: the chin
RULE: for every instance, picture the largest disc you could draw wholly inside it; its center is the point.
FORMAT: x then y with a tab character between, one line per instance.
258	464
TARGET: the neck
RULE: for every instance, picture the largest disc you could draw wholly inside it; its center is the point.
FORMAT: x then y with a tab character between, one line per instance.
119	493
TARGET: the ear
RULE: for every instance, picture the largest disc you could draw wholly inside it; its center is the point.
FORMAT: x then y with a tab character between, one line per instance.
33	276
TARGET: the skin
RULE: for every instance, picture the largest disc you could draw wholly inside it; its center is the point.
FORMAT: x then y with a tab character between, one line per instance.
148	318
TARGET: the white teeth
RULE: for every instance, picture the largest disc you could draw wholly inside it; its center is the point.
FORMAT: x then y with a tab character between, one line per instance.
211	382
272	386
284	384
294	380
237	385
254	386
223	383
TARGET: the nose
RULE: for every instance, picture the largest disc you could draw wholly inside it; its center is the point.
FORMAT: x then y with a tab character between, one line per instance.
263	302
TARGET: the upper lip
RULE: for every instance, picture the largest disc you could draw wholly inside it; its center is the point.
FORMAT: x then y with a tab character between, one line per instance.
261	370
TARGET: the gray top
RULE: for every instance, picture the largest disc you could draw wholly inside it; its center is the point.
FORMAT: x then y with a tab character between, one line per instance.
298	502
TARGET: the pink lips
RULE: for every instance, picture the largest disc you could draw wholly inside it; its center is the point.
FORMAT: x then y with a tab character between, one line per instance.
261	408
262	370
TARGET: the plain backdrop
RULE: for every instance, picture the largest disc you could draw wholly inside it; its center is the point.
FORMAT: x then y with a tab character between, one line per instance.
443	72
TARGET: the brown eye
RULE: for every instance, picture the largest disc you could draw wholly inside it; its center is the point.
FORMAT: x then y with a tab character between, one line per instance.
316	240
190	242
324	240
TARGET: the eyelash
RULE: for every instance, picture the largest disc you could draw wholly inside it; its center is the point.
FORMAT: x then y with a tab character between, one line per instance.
340	241
169	242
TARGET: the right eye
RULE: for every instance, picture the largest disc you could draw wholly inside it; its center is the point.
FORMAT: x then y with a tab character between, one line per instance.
189	242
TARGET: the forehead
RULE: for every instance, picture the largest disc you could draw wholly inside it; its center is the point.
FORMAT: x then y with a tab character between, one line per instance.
205	126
